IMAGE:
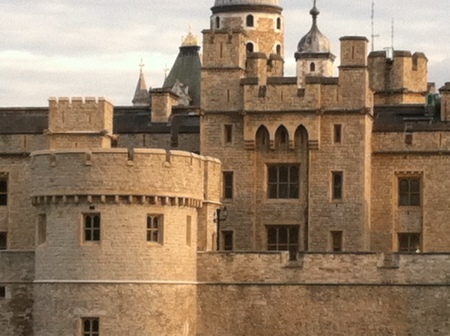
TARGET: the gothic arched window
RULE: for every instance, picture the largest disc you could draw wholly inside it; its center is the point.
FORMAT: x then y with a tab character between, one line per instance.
250	47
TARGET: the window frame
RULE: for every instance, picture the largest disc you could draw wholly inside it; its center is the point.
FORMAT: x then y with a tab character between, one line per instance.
250	21
228	186
250	47
337	134
3	291
4	184
291	247
278	23
410	248
409	193
340	240
228	134
4	247
290	183
152	230
93	239
337	191
225	246
90	332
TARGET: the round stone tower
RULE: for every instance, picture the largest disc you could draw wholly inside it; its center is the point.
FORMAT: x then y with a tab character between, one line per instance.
117	232
262	21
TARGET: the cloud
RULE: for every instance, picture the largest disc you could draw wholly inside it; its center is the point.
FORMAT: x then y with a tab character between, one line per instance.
88	47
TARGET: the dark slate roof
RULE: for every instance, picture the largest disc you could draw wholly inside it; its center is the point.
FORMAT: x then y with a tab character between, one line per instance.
30	120
127	119
135	119
187	70
412	118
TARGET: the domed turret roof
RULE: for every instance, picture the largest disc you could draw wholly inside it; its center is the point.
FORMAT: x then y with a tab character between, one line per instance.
247	2
314	41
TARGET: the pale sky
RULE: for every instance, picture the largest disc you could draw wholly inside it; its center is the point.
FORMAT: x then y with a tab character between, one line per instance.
93	47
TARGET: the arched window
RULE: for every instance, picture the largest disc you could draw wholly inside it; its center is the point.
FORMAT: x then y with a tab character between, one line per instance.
281	138
301	139
250	47
279	23
250	21
278	49
312	67
217	22
262	138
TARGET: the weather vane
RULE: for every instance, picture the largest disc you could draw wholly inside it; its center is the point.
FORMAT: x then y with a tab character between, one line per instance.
142	65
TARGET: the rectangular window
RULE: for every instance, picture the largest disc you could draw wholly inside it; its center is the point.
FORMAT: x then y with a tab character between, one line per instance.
337	180
228	179
154	228
283	238
409	242
92	228
3	240
228	134
188	230
283	181
337	134
41	229
2	292
3	191
336	241
228	240
409	191
91	326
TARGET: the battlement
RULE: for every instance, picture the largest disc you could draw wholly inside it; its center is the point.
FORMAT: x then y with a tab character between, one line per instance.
398	77
325	268
149	175
80	122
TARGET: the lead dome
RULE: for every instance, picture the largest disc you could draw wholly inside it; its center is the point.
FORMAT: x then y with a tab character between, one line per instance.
219	3
314	41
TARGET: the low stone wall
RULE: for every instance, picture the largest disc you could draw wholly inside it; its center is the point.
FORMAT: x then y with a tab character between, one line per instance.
323	294
325	268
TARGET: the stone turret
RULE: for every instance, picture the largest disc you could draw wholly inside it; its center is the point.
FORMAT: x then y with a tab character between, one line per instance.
245	39
399	77
313	56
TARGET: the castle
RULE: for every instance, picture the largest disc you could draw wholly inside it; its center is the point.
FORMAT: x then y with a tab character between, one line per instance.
234	200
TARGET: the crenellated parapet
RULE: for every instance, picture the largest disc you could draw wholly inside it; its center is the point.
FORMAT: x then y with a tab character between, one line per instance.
398	77
80	122
122	176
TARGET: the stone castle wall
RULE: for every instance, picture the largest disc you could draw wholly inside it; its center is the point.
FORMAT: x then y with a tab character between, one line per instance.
122	272
343	294
16	275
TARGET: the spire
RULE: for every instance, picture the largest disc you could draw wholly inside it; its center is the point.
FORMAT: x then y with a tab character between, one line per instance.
190	40
314	13
141	95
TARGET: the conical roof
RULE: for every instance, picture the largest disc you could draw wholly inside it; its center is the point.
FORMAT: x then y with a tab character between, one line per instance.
141	95
187	69
314	41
